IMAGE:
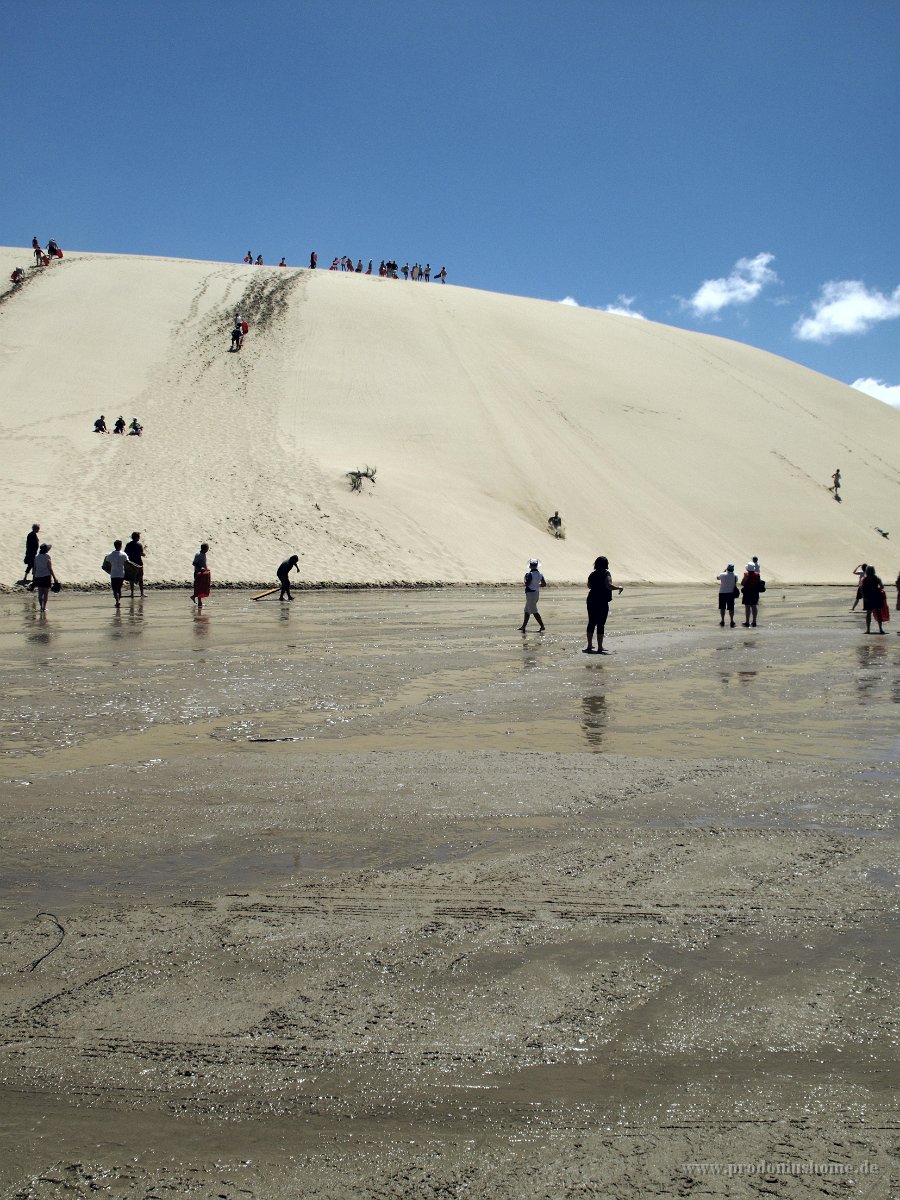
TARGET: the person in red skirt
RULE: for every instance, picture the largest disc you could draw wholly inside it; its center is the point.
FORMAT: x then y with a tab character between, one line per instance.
202	577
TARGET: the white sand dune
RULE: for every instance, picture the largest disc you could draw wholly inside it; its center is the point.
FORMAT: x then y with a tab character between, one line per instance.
670	452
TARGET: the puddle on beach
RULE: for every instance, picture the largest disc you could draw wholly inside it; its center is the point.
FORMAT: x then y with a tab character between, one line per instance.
438	670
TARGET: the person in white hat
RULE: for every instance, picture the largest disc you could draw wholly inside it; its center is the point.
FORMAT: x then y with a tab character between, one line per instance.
534	581
728	591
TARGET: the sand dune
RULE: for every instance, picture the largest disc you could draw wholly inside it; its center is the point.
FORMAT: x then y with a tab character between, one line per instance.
671	452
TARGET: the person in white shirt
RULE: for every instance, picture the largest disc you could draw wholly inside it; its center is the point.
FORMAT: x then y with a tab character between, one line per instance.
728	588
117	558
534	581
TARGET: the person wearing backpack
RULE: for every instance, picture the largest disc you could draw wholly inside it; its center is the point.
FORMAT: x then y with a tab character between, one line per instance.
534	581
751	586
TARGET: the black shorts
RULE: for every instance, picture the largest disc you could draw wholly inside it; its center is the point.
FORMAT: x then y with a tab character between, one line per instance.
43	581
726	600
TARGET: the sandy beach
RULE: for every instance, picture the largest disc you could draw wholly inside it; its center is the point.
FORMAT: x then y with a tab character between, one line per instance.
671	452
370	895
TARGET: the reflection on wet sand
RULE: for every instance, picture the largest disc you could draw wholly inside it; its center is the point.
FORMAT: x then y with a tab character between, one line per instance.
594	719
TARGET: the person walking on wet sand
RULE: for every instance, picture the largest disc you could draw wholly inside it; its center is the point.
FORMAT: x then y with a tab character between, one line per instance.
44	577
874	598
116	561
289	564
31	550
202	577
728	589
136	552
600	590
534	581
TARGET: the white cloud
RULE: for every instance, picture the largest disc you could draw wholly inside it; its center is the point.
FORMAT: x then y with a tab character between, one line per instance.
846	306
624	309
570	300
889	393
747	279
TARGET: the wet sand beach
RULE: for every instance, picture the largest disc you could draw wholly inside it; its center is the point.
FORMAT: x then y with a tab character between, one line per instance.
373	895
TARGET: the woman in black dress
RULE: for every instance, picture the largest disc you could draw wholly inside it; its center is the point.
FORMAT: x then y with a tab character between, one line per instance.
600	590
873	598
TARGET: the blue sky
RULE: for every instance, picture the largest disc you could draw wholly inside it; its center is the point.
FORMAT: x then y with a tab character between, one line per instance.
728	166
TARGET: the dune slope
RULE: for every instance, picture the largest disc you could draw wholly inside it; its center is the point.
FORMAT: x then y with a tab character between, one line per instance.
671	452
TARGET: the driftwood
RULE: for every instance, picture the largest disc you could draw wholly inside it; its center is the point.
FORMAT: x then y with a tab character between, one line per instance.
356	478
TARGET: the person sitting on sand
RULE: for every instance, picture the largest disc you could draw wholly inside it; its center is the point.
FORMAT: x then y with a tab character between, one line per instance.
135	429
284	570
874	598
18	275
119	426
282	263
534	581
100	425
554	524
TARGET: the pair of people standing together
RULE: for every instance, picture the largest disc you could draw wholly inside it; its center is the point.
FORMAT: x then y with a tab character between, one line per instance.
749	590
125	564
600	592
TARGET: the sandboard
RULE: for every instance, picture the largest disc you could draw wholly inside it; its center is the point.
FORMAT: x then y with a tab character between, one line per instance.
262	595
132	572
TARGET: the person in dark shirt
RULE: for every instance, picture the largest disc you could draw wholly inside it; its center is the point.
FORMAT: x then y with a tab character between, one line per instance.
32	541
600	590
284	570
136	553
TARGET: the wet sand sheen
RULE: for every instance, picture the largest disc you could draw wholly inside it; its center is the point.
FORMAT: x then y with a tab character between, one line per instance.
498	918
